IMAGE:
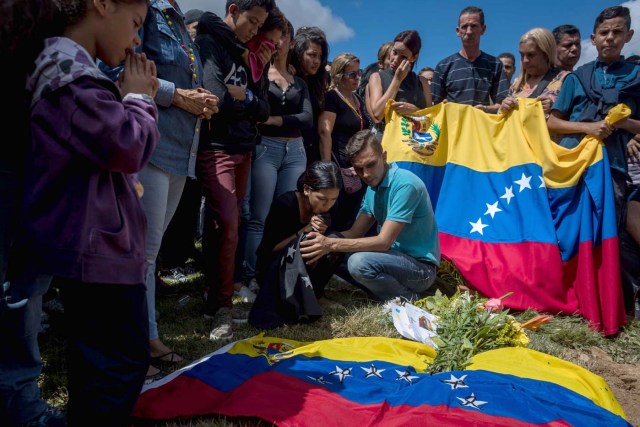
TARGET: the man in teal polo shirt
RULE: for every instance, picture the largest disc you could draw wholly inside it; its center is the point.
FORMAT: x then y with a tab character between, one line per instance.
401	260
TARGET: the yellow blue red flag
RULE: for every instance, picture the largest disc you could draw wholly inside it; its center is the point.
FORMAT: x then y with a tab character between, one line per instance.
380	381
515	211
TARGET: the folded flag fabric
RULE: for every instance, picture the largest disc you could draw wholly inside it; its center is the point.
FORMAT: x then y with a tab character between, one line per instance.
515	211
380	381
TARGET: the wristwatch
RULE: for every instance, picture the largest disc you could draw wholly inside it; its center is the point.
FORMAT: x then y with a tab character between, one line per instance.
248	97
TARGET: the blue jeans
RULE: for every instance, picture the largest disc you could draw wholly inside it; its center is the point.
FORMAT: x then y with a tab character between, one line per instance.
276	169
391	274
162	192
20	362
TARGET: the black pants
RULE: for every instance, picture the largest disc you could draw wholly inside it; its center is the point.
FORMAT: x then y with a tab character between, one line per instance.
178	242
108	351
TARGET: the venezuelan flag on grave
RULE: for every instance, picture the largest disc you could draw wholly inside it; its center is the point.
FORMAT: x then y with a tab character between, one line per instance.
515	211
380	381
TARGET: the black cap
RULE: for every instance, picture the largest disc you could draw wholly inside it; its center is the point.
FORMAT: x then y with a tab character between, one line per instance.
192	16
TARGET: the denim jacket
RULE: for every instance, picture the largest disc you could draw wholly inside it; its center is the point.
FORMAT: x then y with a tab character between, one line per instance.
179	130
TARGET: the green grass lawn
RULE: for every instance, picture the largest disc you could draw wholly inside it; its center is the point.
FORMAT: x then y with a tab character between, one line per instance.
185	331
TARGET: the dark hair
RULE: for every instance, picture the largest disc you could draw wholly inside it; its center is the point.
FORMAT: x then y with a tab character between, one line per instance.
614	12
74	10
473	10
362	140
320	175
567	29
319	83
290	31
24	26
423	69
249	4
275	19
411	39
508	55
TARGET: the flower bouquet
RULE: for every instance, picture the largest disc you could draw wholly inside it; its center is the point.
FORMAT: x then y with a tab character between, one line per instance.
460	327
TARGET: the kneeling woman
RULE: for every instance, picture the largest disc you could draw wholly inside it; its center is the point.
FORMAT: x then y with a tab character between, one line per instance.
289	289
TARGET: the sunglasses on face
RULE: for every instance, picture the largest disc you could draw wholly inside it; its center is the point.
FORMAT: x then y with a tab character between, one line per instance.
352	74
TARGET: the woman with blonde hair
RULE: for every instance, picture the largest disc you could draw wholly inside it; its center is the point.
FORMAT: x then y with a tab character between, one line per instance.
538	77
344	115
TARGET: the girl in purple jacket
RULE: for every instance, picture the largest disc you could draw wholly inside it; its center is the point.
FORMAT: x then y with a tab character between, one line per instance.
81	219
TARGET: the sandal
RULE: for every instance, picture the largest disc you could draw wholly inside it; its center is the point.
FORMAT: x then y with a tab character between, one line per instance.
173	358
148	379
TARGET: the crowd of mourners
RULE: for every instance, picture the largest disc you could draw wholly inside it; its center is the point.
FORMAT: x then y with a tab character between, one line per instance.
140	130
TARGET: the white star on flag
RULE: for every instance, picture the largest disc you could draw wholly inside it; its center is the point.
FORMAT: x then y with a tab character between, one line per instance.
478	226
471	401
306	281
524	182
542	184
492	209
291	252
508	194
456	383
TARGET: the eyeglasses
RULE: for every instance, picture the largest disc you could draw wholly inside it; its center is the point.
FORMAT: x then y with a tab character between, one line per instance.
353	74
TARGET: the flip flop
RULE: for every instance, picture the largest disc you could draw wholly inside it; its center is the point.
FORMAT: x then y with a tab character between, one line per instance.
172	358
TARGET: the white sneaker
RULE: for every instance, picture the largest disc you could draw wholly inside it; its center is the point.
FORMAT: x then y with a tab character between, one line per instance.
245	294
253	286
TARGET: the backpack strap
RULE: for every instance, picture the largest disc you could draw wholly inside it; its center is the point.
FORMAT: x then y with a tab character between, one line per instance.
542	85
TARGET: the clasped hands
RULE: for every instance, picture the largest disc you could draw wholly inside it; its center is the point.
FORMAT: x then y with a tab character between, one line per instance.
138	75
315	245
199	102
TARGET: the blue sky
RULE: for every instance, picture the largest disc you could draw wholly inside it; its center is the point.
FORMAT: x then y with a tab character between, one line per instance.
361	26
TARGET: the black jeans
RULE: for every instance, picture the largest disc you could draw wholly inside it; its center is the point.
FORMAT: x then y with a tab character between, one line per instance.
108	351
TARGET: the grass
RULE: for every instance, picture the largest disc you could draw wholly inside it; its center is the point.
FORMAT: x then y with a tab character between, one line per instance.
185	331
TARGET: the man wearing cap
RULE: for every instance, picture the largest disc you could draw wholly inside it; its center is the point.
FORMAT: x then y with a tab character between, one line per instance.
191	18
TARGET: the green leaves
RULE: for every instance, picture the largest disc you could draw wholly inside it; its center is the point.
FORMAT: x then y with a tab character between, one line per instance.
466	328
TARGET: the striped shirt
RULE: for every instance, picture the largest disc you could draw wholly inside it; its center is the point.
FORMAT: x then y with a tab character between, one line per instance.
482	81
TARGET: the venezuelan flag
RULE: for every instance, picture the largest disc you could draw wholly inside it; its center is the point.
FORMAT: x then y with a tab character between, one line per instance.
380	381
515	211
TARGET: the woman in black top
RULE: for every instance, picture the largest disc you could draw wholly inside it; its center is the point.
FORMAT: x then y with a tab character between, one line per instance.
288	288
280	159
344	114
399	83
309	57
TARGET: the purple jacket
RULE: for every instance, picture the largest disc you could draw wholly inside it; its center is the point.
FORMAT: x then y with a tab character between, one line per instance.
81	216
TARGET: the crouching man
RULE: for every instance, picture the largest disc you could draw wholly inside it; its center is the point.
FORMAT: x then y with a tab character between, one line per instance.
401	259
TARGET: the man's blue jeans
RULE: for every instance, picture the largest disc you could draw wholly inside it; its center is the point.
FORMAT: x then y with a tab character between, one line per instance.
391	274
20	362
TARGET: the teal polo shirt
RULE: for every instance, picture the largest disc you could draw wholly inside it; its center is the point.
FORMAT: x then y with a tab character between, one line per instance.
403	197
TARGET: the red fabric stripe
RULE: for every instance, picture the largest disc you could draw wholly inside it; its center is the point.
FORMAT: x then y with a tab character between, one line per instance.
588	284
595	273
531	270
301	404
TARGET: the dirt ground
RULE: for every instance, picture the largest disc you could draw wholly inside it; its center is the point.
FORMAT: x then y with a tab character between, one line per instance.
623	379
